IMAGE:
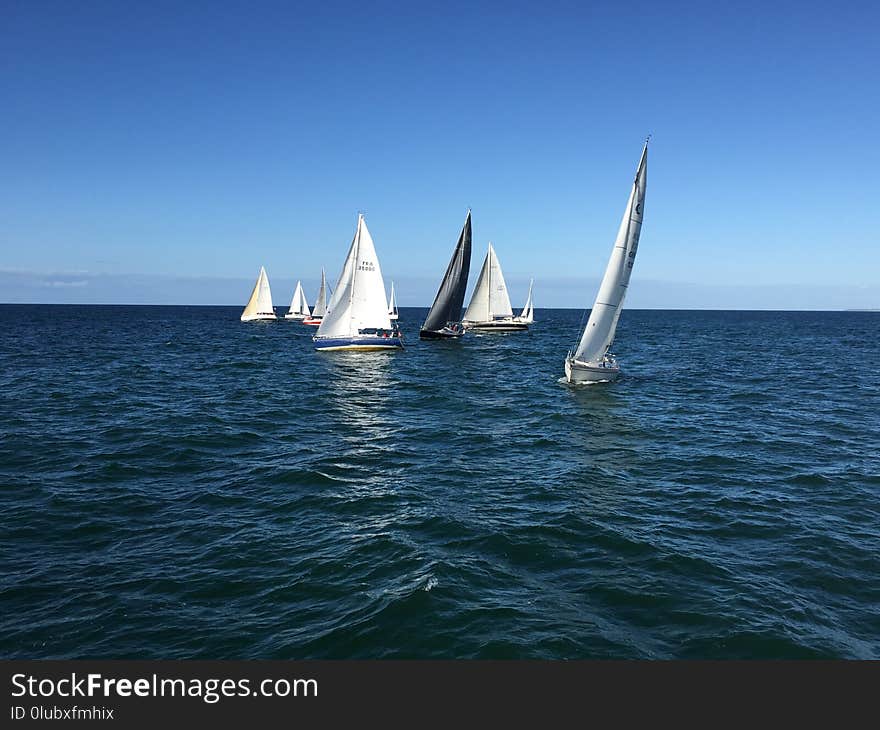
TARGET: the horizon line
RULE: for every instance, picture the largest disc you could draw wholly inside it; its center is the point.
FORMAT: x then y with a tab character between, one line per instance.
427	306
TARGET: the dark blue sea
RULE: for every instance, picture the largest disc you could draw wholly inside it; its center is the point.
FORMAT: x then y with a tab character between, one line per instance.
178	484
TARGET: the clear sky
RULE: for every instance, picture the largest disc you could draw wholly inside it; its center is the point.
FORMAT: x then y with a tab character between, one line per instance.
163	151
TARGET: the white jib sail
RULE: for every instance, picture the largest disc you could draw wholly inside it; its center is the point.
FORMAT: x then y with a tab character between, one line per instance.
299	305
260	303
321	300
392	305
599	332
499	300
358	302
490	298
526	315
478	308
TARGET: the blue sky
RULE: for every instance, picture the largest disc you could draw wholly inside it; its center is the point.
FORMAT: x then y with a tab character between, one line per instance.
164	151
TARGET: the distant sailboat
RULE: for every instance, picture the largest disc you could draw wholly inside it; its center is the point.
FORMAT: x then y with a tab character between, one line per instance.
444	317
528	314
320	304
299	307
593	361
259	306
489	309
392	305
357	314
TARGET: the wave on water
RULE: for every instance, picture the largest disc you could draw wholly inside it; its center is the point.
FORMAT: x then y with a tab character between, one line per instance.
179	484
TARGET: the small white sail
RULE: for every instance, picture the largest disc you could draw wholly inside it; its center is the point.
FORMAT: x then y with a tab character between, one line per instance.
527	314
490	298
299	307
599	332
320	307
392	305
259	306
358	301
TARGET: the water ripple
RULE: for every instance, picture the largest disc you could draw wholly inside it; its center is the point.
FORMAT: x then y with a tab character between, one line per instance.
178	484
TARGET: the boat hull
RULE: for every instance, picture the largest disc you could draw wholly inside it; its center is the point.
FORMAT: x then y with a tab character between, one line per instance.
358	344
579	372
311	321
295	316
258	318
503	325
444	334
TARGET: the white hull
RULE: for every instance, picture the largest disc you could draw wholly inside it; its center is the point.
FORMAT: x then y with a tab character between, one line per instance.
510	324
258	318
392	317
579	372
295	316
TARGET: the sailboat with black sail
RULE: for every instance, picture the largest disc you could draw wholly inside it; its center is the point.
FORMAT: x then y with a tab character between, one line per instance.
592	361
357	314
444	317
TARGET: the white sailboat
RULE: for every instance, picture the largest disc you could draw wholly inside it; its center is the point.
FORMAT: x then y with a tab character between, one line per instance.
489	309
528	313
392	305
320	303
357	314
259	306
592	361
299	307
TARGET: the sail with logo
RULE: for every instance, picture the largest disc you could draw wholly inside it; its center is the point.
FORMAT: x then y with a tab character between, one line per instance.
357	313
592	361
259	306
444	317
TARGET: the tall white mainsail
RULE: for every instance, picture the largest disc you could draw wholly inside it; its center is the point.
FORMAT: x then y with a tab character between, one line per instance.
259	306
358	301
490	298
599	332
299	307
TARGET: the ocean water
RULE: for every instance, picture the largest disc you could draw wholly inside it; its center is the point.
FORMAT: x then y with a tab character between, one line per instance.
177	484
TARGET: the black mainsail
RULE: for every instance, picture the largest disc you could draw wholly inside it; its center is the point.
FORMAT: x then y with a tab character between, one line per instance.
446	308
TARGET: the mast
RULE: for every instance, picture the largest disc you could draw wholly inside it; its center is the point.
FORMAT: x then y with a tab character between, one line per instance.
489	280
